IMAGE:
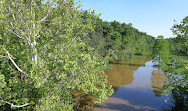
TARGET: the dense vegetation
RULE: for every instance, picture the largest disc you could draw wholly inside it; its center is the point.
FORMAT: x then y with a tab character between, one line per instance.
43	59
161	51
51	51
175	64
180	43
119	41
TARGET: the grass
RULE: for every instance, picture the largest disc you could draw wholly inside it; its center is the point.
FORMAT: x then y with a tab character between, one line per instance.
180	56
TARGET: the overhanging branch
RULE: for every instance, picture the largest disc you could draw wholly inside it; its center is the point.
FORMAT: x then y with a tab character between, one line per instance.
17	106
45	16
17	65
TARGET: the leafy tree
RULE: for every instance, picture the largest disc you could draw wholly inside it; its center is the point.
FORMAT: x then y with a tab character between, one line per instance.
128	46
131	41
181	30
173	46
107	28
140	48
161	50
43	58
116	26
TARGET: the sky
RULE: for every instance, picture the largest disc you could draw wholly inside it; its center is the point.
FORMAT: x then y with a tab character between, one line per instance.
155	17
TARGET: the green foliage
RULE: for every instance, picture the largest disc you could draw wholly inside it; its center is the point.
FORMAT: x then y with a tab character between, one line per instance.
2	84
161	51
181	30
177	82
118	41
52	49
43	56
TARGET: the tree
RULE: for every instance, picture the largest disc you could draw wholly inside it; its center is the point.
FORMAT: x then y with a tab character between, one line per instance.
43	58
116	41
140	47
161	50
181	30
116	26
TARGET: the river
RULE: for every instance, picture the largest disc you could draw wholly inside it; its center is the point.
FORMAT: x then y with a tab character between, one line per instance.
138	86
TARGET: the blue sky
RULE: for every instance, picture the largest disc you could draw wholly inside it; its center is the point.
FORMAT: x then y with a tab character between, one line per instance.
155	17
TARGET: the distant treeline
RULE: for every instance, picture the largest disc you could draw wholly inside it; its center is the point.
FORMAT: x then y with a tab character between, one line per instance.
119	41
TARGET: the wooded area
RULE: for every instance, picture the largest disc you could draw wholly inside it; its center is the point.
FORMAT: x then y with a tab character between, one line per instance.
52	49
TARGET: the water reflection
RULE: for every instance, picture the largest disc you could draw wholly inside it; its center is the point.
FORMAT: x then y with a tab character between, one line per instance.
158	80
138	86
118	104
121	75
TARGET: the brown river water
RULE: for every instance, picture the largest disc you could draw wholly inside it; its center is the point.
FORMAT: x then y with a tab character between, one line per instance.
138	86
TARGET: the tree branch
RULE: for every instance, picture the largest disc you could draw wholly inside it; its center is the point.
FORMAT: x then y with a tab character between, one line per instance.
17	65
17	106
17	35
69	43
13	14
45	16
